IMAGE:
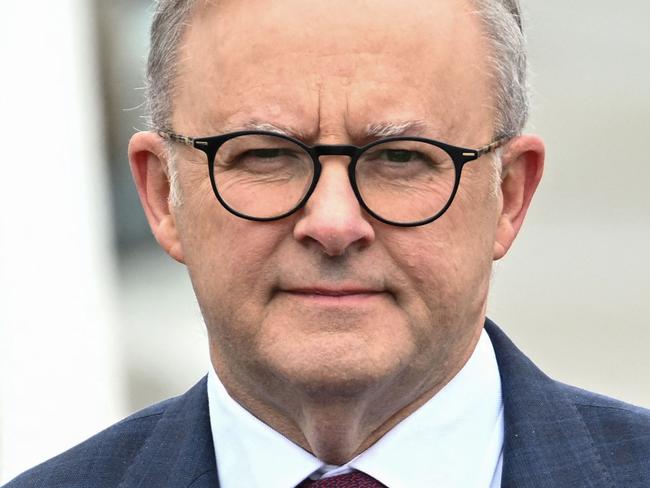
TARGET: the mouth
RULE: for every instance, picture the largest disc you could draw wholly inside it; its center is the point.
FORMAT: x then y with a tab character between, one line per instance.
334	296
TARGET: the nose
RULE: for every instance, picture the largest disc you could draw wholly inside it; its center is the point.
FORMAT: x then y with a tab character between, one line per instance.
332	218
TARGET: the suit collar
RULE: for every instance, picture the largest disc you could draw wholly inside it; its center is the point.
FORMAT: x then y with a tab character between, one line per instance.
179	452
546	442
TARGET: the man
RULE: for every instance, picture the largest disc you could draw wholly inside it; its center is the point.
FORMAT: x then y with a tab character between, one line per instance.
338	177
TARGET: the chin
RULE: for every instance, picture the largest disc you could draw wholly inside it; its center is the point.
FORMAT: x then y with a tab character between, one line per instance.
345	366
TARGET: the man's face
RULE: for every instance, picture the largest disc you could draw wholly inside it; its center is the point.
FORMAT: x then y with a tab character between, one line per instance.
329	300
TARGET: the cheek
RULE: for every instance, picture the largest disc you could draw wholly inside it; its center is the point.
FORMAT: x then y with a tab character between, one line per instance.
429	271
444	283
471	222
446	265
230	261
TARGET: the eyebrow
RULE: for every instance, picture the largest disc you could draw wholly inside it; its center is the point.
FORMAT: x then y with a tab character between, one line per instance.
393	129
280	129
373	130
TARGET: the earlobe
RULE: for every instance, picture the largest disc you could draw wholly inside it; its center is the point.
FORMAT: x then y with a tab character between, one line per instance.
148	161
167	236
523	165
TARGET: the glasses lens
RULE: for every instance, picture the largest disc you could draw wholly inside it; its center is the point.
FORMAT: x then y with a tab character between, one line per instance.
405	181
262	176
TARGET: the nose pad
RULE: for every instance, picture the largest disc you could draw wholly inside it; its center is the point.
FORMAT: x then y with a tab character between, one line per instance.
332	217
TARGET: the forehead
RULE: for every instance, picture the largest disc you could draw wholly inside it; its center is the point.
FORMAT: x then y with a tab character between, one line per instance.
322	66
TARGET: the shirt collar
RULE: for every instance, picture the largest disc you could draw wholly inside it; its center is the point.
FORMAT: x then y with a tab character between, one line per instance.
455	439
249	453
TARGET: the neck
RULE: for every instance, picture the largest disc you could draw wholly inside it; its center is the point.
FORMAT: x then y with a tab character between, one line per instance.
337	425
337	433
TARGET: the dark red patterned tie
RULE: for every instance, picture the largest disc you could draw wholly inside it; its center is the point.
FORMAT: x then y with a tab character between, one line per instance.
356	479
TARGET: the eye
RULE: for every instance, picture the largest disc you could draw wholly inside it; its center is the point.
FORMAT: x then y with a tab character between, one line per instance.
399	155
270	154
269	160
264	157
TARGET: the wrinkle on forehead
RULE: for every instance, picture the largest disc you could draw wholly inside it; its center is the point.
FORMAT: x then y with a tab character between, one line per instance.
335	88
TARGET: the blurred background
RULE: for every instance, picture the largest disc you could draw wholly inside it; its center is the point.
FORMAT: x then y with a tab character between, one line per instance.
97	322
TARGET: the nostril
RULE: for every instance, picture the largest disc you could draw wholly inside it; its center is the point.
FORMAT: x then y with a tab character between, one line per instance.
334	235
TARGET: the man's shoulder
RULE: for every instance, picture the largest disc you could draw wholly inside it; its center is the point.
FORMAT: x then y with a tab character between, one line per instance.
594	406
560	435
101	460
615	426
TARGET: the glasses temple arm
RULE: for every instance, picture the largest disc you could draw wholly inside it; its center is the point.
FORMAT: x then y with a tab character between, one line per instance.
492	146
170	136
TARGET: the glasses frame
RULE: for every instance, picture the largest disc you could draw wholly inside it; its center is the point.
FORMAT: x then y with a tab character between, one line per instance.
210	145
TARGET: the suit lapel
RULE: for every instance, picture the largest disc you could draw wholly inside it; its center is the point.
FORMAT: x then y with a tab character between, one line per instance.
179	453
546	442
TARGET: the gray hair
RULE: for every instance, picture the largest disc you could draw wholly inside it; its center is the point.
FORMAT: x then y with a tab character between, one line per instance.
170	19
502	25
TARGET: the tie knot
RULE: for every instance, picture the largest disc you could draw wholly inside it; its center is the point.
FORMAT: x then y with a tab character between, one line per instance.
355	479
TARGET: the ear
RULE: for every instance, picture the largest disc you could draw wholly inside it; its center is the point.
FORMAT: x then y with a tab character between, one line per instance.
149	166
523	165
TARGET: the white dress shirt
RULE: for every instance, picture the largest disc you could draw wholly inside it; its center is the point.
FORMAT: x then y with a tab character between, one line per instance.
453	440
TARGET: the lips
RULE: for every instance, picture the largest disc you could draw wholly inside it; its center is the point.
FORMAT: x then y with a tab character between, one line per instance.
333	292
355	297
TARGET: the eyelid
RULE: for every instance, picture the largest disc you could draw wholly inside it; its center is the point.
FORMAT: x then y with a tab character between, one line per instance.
381	149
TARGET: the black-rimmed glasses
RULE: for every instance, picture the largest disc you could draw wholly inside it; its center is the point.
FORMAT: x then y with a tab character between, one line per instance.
264	176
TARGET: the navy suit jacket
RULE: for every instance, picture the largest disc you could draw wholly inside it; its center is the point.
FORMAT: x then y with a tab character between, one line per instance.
555	436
